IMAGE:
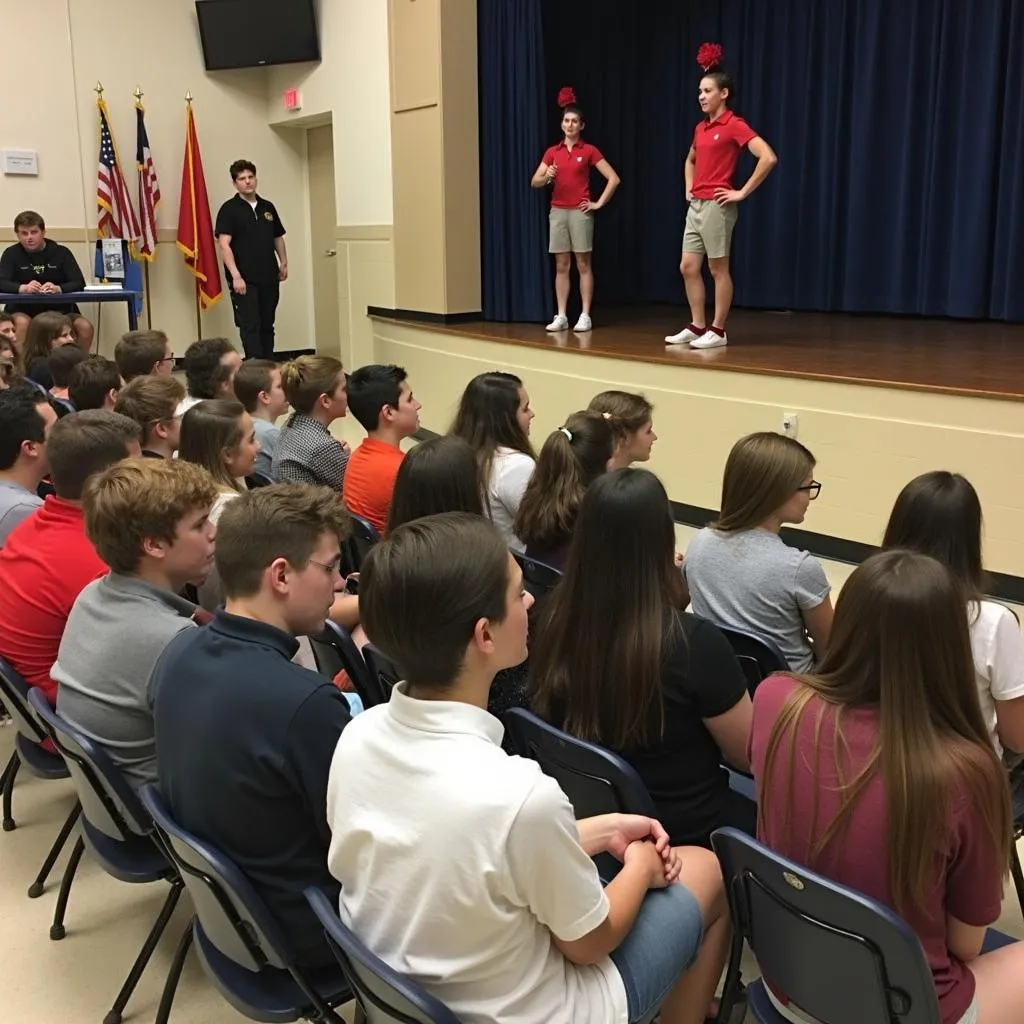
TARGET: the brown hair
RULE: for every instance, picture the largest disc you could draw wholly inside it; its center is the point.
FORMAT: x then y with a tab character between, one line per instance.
570	460
204	371
900	643
762	473
280	521
83	443
208	430
939	514
91	380
29	219
254	376
138	352
136	499
439	475
150	400
62	361
595	669
625	411
423	589
307	378
43	330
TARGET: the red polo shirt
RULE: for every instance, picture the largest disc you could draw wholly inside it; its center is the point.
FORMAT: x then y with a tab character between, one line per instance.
572	180
44	566
370	481
717	145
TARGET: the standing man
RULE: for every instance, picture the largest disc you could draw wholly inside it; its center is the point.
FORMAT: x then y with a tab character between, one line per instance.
251	239
566	167
711	217
36	266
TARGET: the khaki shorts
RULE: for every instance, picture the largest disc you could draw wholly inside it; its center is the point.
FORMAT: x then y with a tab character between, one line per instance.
709	228
570	230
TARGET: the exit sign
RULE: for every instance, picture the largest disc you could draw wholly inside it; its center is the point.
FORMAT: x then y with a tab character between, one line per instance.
292	99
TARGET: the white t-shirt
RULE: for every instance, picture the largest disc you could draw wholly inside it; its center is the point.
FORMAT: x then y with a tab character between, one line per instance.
510	473
458	862
998	648
185	404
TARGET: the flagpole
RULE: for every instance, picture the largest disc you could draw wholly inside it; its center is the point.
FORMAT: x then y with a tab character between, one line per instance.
199	312
138	94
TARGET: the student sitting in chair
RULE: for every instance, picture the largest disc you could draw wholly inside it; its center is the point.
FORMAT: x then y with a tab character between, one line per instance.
25	421
94	384
466	867
140	353
258	387
152	401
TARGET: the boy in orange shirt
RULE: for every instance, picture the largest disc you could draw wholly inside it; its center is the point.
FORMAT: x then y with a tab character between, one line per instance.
380	398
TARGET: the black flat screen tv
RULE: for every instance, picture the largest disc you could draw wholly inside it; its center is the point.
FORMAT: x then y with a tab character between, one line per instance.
257	33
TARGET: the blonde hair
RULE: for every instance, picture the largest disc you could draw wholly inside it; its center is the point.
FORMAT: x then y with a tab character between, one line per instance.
150	400
307	378
141	498
762	473
625	411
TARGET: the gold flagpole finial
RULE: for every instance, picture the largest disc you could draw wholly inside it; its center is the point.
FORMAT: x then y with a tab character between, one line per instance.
138	94
188	97
99	90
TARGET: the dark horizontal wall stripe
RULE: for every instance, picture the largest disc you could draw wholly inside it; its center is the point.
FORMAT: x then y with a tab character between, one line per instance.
1002	586
423	317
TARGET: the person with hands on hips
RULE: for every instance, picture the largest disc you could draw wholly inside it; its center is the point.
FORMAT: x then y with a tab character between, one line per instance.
711	216
566	168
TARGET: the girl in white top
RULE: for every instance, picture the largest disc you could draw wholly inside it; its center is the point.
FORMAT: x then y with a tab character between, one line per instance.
494	418
939	514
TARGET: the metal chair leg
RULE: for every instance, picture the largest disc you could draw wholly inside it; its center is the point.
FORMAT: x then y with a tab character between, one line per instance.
37	888
733	985
57	928
114	1016
10	774
163	1013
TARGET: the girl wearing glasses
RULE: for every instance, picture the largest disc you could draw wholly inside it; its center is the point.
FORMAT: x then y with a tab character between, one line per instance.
740	572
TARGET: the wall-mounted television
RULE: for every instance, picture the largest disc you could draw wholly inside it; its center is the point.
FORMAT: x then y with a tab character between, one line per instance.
256	33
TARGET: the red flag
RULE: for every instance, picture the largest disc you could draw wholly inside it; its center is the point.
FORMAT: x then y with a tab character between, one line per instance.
195	227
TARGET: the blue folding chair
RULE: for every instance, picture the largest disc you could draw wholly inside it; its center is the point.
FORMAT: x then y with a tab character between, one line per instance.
759	658
539	578
334	650
115	829
363	537
838	955
239	944
384	995
28	751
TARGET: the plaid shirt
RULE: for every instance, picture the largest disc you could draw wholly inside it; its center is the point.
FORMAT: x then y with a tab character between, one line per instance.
308	453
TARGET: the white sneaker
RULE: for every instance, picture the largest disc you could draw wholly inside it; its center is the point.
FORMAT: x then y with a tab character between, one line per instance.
583	324
684	337
560	323
709	339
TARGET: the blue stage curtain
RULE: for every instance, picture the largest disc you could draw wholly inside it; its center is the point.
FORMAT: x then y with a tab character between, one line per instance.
899	129
517	281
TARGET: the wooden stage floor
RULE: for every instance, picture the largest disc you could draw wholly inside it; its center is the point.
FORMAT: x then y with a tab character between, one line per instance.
983	359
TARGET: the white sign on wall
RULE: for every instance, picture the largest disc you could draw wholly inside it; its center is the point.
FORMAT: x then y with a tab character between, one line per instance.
20	161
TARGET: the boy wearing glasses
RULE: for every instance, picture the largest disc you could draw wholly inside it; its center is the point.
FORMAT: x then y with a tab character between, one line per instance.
139	353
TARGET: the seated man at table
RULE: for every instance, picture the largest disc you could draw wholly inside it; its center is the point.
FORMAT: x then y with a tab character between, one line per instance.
36	266
150	522
48	559
244	736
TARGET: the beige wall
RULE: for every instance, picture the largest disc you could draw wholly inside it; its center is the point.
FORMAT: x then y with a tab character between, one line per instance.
54	113
868	441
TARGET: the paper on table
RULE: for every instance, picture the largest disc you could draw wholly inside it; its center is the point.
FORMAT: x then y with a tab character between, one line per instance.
100	286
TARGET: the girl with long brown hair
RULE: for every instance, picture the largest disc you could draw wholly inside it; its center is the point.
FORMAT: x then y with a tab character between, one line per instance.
572	457
877	771
740	572
46	331
617	662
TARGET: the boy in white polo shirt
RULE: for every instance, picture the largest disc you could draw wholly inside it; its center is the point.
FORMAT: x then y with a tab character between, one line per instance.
465	868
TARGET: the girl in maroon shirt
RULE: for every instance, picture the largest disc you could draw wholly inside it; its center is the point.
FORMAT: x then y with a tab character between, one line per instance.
878	772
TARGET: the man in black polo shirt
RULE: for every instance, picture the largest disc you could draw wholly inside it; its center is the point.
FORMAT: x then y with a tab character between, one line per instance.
244	736
39	266
251	239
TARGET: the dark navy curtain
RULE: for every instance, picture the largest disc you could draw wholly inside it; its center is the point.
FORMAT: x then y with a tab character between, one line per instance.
899	129
513	231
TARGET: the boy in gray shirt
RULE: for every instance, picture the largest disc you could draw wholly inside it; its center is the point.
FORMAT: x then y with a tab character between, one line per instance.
258	388
149	521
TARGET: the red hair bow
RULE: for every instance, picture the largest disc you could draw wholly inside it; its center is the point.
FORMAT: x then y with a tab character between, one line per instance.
566	96
709	56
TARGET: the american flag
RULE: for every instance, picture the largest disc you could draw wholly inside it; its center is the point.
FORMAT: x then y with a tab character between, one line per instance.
116	215
149	187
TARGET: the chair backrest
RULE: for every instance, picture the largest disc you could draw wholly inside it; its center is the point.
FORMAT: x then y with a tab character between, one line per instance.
14	690
539	578
364	535
384	671
255	479
334	650
108	802
836	954
233	917
595	780
759	658
386	996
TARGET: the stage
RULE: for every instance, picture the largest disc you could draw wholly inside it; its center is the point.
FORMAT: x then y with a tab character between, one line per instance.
955	357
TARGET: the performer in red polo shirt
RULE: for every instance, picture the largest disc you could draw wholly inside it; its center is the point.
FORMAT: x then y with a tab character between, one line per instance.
708	173
566	167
